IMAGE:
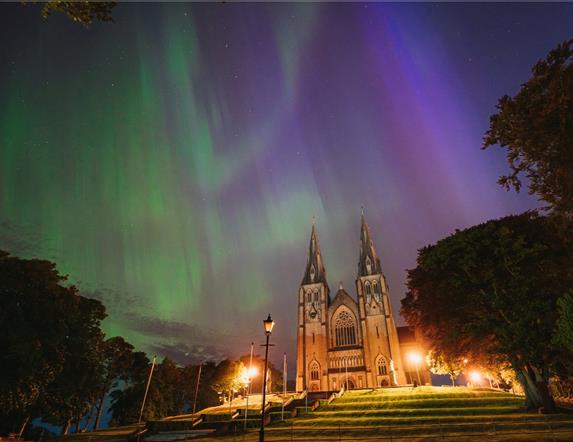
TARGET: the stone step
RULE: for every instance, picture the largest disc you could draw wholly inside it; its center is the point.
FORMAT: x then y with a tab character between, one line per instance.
423	403
411	412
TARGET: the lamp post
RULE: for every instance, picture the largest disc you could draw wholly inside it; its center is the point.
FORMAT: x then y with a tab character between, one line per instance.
145	398
269	324
197	389
146	390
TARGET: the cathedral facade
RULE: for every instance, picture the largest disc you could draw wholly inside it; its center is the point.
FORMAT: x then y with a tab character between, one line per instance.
345	341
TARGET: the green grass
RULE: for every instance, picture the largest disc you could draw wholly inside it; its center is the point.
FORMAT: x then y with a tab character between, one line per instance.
421	414
424	412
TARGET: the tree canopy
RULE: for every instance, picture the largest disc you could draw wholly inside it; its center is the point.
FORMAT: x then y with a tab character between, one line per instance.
443	363
492	290
535	128
81	11
57	365
51	341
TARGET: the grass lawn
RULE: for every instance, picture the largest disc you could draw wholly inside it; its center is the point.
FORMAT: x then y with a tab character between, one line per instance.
406	414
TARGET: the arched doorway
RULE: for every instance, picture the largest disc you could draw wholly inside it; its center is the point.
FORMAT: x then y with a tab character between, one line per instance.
349	385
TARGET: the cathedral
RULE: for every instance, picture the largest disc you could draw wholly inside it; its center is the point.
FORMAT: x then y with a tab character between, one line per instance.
344	342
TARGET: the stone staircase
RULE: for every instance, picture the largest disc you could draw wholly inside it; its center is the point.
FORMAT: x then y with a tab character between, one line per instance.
449	412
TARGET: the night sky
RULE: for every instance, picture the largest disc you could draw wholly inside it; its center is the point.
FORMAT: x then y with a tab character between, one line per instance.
171	163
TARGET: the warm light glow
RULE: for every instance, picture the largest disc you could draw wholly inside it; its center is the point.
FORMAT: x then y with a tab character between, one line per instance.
475	377
465	361
415	358
269	324
247	375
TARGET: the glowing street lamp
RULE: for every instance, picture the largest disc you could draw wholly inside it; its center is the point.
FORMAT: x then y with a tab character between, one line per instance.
252	372
416	359
247	375
476	377
268	324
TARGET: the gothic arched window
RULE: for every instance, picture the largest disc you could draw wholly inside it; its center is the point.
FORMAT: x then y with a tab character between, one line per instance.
345	329
368	291
376	290
308	296
381	366
316	296
314	371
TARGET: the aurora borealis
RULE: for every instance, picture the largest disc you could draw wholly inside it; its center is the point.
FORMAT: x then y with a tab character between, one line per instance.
171	163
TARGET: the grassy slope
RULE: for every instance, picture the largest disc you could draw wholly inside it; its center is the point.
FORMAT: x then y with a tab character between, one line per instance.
417	414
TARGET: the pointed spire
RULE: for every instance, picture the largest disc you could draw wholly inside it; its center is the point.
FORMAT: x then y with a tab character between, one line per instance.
368	262
314	271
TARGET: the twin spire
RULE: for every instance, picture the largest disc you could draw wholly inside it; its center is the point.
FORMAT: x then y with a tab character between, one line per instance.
314	266
368	262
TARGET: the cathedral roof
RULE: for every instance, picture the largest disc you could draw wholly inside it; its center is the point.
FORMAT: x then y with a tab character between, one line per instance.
368	262
314	271
342	297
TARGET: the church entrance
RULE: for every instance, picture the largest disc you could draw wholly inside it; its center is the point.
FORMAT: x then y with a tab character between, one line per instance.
349	385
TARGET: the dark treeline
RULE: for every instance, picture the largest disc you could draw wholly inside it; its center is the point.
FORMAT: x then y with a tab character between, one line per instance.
57	364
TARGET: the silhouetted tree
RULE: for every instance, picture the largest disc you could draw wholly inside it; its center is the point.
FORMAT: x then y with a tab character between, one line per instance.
118	360
535	127
126	401
51	341
493	289
81	11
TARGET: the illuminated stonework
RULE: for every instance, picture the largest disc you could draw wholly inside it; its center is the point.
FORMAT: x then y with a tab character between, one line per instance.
342	342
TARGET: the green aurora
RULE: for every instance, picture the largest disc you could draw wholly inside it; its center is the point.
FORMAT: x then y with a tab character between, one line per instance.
171	163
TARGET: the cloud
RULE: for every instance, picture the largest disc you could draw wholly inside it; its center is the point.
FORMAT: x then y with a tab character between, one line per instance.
18	240
184	343
185	354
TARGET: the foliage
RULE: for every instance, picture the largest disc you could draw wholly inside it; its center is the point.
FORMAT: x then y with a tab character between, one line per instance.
535	127
81	11
564	328
172	389
50	340
492	289
56	364
229	379
126	401
443	363
118	362
76	387
275	377
206	396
